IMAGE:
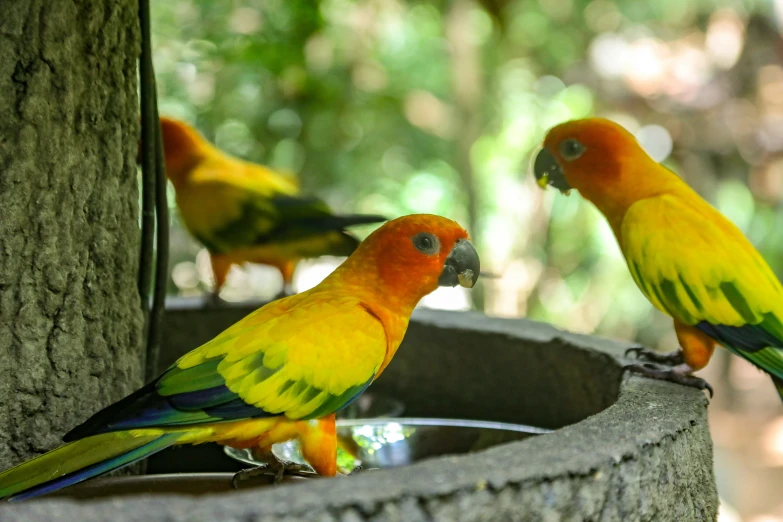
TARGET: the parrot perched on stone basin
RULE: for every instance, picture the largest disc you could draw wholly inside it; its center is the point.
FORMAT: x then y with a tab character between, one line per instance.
280	373
247	213
687	259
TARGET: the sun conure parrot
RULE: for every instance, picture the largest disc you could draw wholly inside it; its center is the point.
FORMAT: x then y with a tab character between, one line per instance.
687	259
246	213
278	374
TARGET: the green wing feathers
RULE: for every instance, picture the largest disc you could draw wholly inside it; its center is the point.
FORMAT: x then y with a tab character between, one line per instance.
269	364
282	366
306	222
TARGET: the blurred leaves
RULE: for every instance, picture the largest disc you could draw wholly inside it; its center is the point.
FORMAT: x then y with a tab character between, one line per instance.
365	101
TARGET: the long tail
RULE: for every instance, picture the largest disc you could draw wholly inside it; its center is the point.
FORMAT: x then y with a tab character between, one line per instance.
770	360
778	382
323	235
339	222
760	344
80	460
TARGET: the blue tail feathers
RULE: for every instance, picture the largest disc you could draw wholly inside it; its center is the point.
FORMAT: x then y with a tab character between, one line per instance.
110	464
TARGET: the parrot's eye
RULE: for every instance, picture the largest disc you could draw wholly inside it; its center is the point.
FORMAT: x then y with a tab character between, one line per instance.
426	243
571	149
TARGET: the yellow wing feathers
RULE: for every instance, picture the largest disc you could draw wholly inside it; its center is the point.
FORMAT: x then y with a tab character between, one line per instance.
277	360
695	265
217	195
242	175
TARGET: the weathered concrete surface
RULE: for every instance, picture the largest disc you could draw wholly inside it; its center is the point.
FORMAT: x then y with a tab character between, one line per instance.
70	320
642	453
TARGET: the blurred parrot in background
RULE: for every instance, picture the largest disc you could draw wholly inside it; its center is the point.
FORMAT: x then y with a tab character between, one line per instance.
246	213
687	259
278	374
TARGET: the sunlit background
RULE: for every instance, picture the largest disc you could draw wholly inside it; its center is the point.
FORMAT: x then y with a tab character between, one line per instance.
395	107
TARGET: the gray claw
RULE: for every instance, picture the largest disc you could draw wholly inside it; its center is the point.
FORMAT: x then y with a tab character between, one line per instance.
674	376
644	354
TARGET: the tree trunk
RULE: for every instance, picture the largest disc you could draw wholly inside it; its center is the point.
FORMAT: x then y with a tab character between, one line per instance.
70	318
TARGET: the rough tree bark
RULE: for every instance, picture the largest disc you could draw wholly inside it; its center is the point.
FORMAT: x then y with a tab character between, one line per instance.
70	320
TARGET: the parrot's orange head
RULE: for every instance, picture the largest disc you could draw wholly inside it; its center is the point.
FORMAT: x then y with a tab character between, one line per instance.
411	256
182	145
588	155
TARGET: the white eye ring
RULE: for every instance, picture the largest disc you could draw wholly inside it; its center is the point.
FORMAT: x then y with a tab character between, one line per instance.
571	149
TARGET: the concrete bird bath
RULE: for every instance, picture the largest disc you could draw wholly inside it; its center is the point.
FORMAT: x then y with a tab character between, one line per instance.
624	448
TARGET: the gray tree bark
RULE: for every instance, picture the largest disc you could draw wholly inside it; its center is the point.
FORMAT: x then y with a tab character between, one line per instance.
70	318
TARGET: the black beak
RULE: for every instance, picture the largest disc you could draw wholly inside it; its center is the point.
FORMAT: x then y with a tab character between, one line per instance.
547	171
461	267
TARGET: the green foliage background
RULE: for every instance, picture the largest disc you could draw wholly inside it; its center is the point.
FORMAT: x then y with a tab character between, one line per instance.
399	107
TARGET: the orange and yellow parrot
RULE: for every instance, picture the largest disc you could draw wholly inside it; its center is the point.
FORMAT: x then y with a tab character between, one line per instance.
278	374
687	259
246	213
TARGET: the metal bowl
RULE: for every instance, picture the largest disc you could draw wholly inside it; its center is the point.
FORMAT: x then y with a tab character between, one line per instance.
392	442
372	405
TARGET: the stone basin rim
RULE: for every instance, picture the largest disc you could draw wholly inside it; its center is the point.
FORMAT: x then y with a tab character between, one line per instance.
647	415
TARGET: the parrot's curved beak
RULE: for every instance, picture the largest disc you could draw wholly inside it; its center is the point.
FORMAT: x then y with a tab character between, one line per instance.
461	267
547	171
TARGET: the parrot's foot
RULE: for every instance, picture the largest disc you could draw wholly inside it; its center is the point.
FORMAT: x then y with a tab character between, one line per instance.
359	469
276	468
354	471
670	358
678	375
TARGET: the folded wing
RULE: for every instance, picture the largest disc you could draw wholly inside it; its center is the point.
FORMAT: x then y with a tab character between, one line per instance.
302	361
